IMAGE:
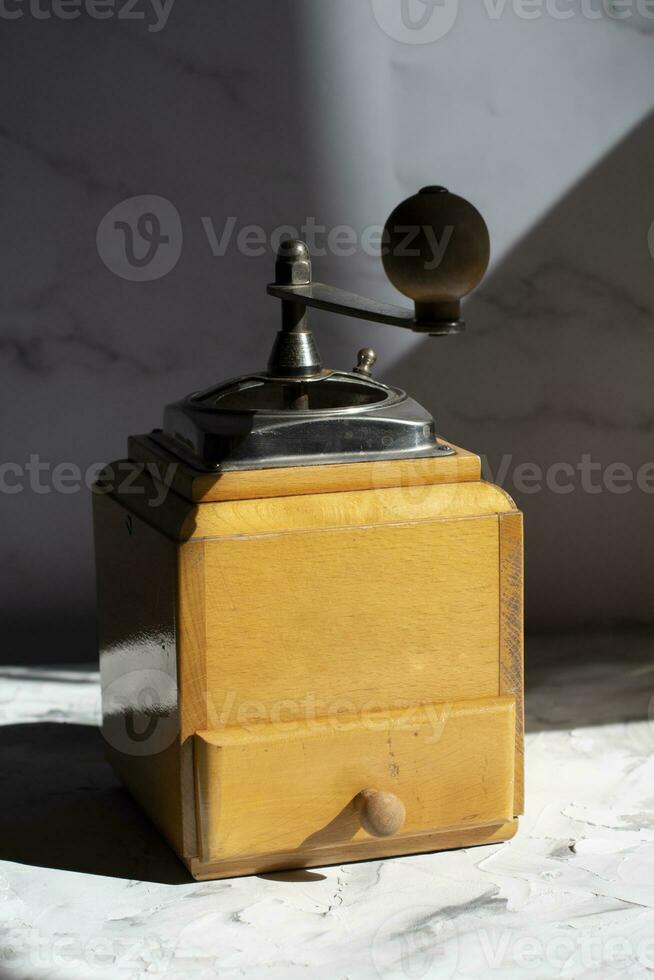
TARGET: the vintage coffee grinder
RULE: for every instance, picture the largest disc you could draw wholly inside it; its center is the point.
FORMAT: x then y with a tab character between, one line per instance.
310	607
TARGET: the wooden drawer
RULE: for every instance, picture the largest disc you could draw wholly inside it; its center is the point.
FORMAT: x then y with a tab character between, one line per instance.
293	786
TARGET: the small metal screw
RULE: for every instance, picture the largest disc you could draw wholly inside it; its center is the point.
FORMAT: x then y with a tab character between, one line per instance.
365	361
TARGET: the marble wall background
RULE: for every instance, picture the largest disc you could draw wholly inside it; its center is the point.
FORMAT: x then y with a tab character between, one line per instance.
275	113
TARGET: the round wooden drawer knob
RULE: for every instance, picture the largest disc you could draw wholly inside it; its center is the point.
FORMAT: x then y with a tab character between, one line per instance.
381	814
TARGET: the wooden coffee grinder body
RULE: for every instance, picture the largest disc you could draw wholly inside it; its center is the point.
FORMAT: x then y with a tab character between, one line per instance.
312	665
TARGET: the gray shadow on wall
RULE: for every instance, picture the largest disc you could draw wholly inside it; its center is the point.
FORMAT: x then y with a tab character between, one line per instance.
557	368
206	114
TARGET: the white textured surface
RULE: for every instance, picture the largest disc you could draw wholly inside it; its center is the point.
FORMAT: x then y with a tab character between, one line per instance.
87	888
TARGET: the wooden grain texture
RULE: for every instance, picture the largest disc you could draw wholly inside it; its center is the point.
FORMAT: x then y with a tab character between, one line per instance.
364	850
183	521
399	505
512	632
293	480
384	616
287	786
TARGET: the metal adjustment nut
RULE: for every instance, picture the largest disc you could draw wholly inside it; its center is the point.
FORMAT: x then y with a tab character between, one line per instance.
365	361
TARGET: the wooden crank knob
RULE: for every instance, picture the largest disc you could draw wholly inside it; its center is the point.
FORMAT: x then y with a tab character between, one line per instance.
436	249
381	814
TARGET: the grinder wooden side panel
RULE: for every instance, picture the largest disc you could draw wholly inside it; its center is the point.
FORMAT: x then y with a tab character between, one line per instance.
137	589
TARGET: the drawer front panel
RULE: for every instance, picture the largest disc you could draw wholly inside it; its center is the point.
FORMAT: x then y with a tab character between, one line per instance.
294	785
357	618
